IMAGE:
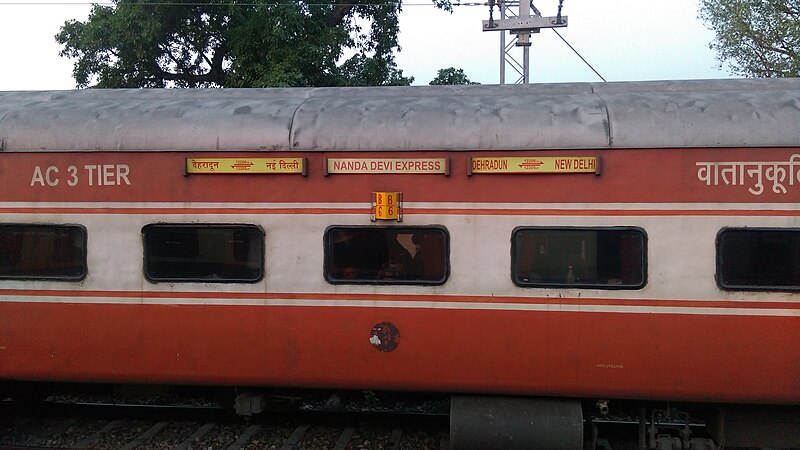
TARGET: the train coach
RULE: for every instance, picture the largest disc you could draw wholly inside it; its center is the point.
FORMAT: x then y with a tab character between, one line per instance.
528	249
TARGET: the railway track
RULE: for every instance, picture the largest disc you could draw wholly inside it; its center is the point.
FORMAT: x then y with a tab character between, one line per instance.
339	421
97	425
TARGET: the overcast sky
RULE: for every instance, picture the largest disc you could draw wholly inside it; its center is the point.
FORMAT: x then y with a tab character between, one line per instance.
622	39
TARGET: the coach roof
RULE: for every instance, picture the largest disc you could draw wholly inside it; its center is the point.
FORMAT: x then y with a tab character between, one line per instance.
666	114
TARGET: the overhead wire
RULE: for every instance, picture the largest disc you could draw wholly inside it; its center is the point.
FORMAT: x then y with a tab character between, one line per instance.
263	3
283	3
560	4
579	55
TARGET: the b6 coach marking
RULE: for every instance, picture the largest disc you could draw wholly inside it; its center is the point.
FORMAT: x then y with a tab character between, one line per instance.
93	175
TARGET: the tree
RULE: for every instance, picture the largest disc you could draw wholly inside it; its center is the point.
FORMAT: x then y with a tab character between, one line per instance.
236	43
451	75
758	38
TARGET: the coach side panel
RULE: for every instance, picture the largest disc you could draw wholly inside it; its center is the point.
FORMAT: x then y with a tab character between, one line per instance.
488	325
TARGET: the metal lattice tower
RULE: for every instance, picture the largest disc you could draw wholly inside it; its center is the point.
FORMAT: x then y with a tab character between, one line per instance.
520	25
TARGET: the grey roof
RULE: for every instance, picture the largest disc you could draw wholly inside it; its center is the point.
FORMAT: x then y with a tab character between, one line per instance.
702	113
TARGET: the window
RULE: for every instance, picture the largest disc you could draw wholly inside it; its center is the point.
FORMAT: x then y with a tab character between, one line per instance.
386	255
601	258
758	259
42	252
203	253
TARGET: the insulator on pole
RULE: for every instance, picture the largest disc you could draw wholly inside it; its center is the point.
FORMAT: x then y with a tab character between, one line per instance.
558	16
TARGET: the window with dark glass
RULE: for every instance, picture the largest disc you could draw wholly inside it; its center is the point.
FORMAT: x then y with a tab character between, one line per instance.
42	252
601	258
386	255
203	253
758	259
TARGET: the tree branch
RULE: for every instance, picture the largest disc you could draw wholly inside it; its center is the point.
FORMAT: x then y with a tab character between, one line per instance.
339	12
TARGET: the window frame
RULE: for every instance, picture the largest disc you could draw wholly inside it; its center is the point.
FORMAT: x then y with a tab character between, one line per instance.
258	228
328	255
83	260
546	285
719	260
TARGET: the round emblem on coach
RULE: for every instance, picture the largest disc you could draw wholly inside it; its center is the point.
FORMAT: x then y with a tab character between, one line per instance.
384	337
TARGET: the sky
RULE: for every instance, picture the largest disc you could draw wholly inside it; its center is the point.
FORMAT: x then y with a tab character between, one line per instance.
622	39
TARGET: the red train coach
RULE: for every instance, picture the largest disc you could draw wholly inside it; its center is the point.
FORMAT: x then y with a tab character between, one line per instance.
537	245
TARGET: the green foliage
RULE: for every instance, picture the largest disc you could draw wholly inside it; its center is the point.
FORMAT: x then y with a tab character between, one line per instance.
451	75
758	38
364	71
236	43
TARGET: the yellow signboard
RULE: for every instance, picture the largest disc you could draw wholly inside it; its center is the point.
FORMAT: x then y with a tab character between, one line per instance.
387	165
245	165
386	206
535	164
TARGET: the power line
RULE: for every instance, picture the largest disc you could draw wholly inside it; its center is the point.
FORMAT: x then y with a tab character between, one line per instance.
579	55
265	3
560	4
